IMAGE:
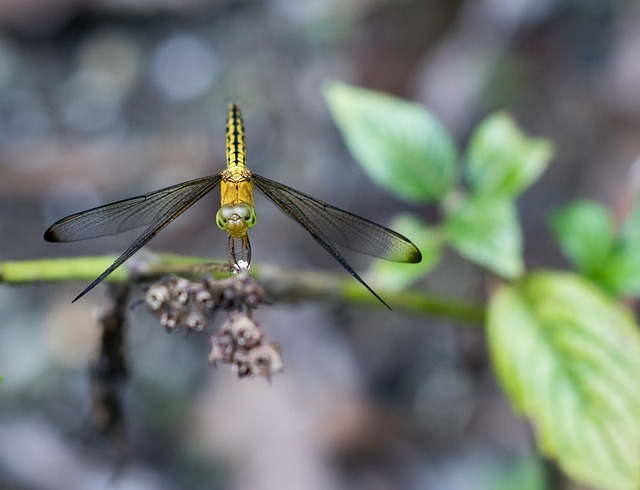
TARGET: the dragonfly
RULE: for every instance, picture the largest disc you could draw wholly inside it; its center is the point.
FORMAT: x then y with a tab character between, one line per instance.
330	226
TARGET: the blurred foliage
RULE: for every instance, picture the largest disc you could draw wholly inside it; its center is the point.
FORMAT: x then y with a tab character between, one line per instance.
568	356
566	352
502	161
585	232
487	232
407	151
401	146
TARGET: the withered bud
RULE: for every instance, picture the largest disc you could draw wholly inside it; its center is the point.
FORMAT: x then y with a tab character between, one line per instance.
230	294
169	319
222	347
240	363
194	320
204	298
251	291
244	330
265	360
181	289
157	296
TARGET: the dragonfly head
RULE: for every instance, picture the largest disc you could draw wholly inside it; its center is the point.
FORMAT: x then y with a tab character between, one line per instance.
236	219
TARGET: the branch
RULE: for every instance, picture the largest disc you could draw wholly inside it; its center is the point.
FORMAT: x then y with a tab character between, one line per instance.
280	284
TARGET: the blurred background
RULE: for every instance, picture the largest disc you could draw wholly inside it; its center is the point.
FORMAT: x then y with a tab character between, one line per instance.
106	99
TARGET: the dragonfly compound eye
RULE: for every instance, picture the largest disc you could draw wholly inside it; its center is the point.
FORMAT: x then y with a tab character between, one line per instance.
223	215
247	213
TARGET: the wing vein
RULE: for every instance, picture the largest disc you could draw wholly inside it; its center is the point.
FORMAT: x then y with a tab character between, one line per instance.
156	209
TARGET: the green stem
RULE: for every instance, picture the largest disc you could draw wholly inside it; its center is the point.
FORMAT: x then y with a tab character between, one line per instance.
287	285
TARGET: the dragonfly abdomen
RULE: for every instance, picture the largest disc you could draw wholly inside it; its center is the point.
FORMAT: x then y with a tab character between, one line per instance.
236	147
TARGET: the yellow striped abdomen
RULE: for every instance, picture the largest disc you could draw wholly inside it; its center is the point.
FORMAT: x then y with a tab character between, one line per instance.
236	147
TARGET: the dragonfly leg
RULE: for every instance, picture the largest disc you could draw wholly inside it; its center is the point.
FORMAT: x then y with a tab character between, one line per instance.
241	259
230	252
246	250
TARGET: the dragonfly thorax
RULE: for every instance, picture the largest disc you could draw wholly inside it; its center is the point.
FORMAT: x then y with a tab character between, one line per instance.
236	219
236	186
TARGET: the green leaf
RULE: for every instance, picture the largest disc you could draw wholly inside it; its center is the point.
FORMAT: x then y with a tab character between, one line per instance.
502	161
568	357
486	231
396	277
401	146
620	272
584	231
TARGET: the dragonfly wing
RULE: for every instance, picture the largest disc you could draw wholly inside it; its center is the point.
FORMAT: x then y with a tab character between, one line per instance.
131	213
166	205
324	223
338	226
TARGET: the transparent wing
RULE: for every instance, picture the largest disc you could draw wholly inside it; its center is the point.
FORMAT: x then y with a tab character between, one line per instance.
326	222
156	209
329	225
131	213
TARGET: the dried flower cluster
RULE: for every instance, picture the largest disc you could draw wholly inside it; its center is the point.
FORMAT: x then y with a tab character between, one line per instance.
184	305
239	343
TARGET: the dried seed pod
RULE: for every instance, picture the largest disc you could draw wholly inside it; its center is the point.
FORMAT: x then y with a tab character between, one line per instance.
182	304
204	298
230	296
250	291
194	320
265	360
243	329
222	347
157	296
181	290
240	363
169	319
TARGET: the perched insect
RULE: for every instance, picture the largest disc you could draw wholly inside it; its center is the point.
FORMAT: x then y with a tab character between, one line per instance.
328	225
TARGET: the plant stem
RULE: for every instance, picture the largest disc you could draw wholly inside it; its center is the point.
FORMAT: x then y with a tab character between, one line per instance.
286	285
